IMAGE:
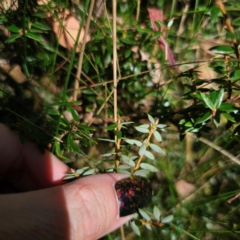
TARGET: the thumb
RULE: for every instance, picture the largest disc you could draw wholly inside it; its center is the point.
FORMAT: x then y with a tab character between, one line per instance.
93	206
84	209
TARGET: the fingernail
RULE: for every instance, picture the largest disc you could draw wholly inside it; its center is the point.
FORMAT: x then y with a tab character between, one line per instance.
133	193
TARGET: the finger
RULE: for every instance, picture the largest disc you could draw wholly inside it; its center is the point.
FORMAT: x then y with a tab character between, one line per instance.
99	213
25	165
84	209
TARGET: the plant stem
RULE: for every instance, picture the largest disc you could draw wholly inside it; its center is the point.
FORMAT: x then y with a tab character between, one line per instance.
152	130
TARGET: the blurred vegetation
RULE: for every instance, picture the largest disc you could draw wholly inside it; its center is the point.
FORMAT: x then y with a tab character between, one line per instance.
178	71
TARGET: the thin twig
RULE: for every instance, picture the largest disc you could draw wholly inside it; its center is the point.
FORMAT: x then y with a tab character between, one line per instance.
219	149
233	198
114	2
80	61
138	9
115	82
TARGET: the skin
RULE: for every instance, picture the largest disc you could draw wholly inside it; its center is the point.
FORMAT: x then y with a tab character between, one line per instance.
36	204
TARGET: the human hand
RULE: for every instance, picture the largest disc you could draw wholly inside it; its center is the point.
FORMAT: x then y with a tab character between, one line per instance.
45	207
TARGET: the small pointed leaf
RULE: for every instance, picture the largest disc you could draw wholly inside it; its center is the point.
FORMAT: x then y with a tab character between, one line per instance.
128	160
204	118
156	213
108	154
167	219
144	126
149	167
222	50
107	140
142	129
235	75
149	155
133	141
135	228
158	136
112	126
74	114
142	149
160	126
12	38
142	172
89	172
229	117
156	148
217	102
151	119
207	101
144	214
34	37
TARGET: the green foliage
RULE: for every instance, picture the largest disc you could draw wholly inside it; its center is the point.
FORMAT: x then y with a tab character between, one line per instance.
160	100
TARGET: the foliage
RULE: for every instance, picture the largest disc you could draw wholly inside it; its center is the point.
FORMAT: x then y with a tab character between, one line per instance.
160	101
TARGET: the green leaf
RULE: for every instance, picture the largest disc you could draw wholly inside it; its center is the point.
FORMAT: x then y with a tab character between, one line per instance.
108	154
118	134
128	41
127	52
217	97
142	172
149	167
167	219
13	28
133	141
135	228
85	127
235	75
127	123
89	172
12	38
142	129
81	170
121	166
227	107
35	30
53	111
107	140
119	170
149	155
127	160
229	117
151	119
156	213
74	114
34	37
204	118
161	126
222	50
144	126
214	13
59	152
156	148
236	22
207	101
41	26
69	177
158	136
156	35
142	149
142	30
144	214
